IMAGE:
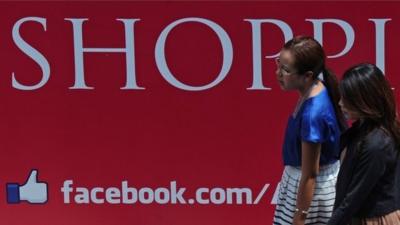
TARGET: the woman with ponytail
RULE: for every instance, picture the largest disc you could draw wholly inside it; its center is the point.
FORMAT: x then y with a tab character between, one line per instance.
311	145
368	185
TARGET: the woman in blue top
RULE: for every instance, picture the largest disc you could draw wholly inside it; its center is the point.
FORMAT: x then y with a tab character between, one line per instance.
311	145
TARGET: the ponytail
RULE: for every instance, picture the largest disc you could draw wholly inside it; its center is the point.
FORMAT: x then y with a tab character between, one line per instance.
331	84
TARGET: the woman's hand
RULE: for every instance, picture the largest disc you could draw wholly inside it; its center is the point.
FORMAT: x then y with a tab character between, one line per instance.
298	218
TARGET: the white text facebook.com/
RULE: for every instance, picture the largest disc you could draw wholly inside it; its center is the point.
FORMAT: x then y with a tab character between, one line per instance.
35	191
172	194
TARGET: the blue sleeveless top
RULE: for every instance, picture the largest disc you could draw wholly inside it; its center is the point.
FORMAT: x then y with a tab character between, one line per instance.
315	122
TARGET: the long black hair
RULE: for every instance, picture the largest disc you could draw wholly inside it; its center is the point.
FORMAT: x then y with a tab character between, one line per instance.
365	90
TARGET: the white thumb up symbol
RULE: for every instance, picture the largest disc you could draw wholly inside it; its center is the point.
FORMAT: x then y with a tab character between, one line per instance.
32	191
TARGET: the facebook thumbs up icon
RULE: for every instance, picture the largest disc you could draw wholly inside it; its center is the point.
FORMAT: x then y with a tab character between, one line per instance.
32	191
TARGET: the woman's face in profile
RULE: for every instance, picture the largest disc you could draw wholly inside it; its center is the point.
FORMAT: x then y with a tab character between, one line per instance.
347	111
286	73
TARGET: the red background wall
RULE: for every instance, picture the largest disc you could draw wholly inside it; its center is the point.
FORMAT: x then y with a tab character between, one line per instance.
226	136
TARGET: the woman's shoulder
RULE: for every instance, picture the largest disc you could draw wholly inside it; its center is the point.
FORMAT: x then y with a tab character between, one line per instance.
377	140
379	135
319	106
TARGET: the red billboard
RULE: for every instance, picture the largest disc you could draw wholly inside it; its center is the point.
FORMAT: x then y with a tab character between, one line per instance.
159	113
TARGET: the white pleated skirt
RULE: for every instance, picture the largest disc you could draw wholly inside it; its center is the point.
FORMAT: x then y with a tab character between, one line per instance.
323	200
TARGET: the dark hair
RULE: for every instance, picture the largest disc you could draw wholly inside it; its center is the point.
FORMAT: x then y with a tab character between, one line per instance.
310	56
366	90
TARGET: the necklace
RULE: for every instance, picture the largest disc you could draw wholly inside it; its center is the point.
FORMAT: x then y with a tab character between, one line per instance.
303	98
